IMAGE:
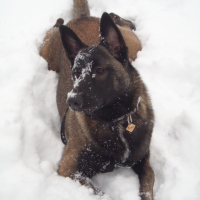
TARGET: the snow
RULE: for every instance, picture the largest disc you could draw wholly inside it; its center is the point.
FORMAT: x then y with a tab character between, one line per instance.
82	57
169	63
71	94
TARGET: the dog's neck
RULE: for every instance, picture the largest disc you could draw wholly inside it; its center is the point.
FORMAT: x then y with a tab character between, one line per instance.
128	116
118	110
123	105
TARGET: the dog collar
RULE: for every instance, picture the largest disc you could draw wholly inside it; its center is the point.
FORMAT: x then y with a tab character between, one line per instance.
128	116
130	126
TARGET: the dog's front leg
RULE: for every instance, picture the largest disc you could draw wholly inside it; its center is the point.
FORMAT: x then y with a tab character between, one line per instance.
146	177
68	163
70	167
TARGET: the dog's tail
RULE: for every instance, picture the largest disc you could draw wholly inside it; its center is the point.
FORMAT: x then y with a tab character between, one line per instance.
81	9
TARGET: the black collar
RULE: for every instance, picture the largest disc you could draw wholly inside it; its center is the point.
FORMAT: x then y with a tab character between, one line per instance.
128	116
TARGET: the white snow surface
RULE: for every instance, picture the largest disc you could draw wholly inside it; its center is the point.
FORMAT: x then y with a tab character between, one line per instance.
169	63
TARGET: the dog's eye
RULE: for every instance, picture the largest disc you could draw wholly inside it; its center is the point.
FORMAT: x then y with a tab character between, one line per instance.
100	70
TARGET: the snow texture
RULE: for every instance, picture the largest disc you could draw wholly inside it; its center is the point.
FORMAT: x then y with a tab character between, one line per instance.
169	63
82	57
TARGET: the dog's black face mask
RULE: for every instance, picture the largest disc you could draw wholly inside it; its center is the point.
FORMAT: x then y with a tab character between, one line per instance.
100	73
89	82
96	82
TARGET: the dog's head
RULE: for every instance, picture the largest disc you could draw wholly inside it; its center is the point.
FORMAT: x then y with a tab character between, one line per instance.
100	73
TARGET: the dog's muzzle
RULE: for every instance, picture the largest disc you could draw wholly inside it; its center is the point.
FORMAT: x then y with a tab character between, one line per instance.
75	103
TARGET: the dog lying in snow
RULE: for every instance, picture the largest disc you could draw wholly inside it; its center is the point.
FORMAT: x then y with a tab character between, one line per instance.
108	118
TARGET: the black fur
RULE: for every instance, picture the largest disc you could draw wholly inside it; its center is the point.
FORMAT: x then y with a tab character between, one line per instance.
106	87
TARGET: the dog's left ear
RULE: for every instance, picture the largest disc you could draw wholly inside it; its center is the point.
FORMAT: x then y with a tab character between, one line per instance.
112	38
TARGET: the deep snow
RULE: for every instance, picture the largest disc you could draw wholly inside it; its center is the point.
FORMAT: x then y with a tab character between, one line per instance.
169	63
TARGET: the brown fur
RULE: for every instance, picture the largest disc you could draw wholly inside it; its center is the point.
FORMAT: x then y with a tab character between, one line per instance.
59	22
86	137
89	36
81	9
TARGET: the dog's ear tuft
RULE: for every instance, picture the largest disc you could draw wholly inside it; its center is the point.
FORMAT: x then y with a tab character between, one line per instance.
112	38
71	42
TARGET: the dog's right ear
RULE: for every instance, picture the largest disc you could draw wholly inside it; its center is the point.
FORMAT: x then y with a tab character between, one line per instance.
71	42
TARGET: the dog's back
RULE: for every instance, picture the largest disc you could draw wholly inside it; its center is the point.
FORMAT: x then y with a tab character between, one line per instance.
87	28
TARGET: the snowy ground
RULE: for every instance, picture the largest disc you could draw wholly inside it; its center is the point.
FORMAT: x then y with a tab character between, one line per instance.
30	146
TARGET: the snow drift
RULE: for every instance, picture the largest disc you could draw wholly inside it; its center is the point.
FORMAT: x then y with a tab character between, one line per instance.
169	63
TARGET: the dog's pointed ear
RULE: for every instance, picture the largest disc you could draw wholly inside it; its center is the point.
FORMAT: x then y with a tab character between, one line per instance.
71	42
112	38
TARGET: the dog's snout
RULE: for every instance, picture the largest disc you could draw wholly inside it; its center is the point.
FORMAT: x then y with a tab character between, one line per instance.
75	103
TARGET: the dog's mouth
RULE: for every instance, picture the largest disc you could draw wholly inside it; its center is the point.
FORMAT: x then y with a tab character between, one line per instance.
90	110
87	109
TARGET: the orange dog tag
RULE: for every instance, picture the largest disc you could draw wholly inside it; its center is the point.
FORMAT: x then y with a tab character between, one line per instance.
130	127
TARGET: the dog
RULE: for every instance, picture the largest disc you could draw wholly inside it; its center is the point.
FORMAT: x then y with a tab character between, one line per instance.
106	112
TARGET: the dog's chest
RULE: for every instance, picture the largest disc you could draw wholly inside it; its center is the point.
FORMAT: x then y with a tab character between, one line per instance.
121	130
114	140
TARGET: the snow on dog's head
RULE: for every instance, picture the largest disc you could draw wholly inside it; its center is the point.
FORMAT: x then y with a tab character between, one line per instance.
82	66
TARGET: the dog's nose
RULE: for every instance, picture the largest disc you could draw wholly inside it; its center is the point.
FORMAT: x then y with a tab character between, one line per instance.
75	103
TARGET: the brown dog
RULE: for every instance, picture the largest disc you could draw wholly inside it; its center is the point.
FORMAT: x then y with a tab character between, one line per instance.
110	120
